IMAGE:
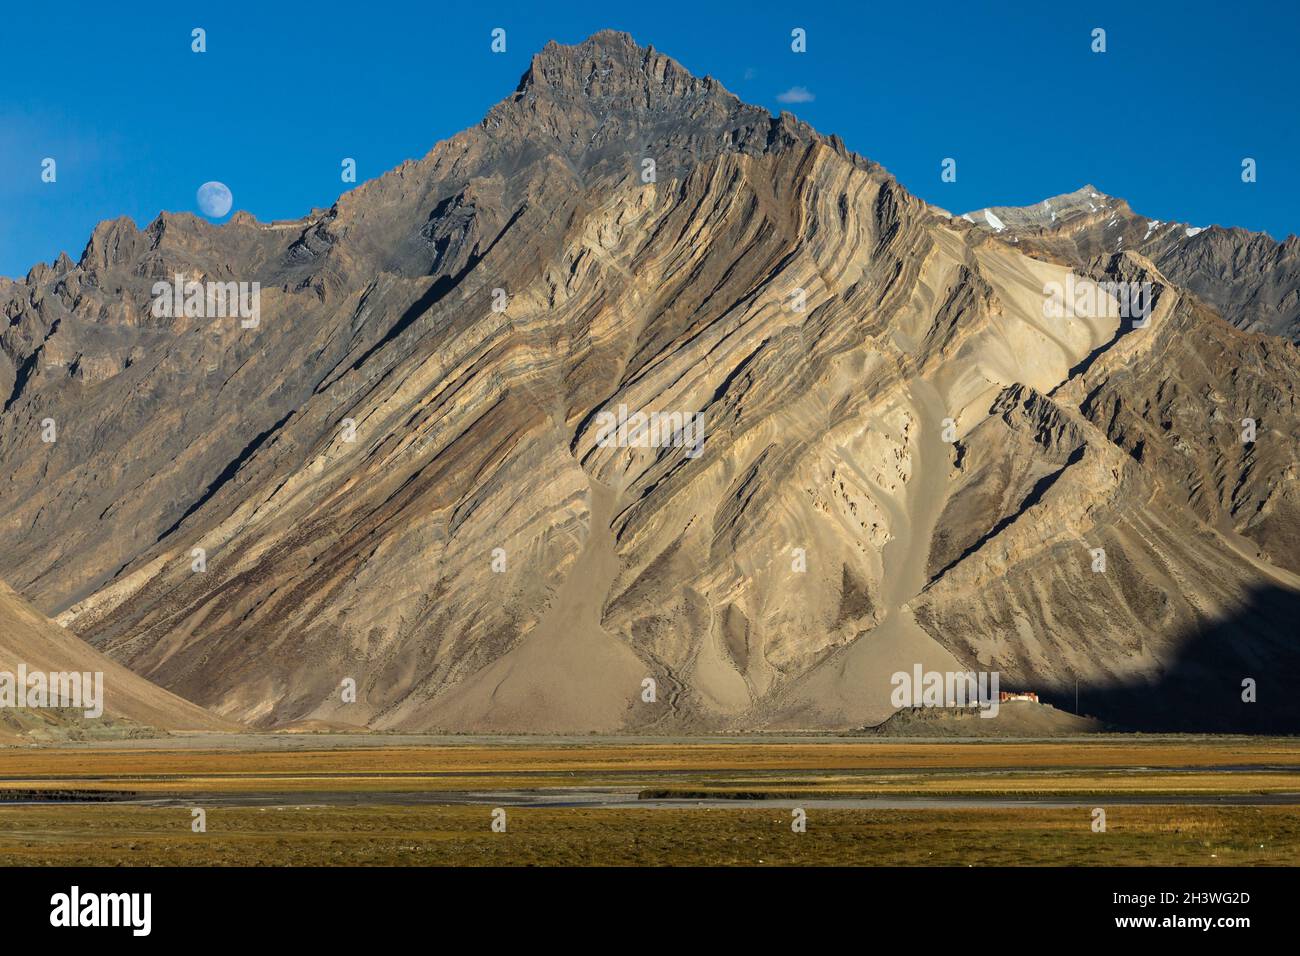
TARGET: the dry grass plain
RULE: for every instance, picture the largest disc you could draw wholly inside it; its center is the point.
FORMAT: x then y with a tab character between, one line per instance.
750	836
366	821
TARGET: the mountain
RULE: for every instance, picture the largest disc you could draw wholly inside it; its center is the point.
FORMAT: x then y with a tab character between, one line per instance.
405	474
131	705
1251	280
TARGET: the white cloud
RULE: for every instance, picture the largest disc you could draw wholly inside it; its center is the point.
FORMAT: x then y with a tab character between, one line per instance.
795	94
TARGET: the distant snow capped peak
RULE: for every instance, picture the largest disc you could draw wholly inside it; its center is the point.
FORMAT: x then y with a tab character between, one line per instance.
1087	200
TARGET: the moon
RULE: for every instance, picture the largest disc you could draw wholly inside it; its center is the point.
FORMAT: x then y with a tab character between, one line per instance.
215	199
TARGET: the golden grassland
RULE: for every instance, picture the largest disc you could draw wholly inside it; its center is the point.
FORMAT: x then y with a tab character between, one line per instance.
749	755
372	829
700	785
1138	766
462	836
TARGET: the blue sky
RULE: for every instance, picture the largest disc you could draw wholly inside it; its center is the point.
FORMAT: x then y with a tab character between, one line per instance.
1012	91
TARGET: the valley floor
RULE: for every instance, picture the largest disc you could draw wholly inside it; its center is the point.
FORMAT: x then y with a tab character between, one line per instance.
338	800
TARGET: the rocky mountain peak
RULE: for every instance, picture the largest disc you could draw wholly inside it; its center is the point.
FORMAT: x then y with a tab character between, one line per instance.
1248	277
113	241
1086	202
598	99
610	68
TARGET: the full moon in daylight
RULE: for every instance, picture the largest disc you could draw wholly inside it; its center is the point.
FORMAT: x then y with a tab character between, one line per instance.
215	199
